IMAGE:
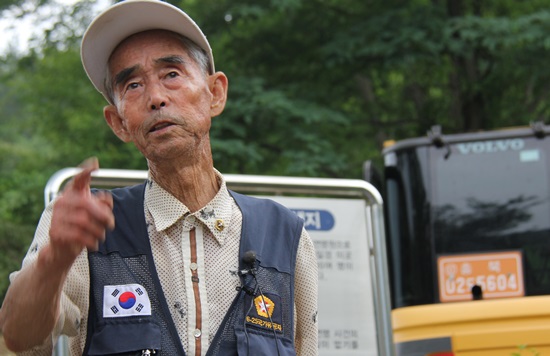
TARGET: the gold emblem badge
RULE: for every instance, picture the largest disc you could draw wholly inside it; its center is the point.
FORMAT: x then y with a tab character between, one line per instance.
220	225
264	306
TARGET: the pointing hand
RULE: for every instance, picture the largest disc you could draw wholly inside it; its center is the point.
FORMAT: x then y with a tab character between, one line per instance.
79	218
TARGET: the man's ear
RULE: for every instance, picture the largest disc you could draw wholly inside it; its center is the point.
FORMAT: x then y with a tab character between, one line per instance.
116	123
218	88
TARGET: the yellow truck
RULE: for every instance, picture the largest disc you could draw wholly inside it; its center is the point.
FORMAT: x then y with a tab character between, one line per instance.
467	220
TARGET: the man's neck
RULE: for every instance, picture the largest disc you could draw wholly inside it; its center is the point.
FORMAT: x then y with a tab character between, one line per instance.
195	186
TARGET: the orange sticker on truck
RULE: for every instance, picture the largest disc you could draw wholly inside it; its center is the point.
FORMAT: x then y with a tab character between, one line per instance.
498	274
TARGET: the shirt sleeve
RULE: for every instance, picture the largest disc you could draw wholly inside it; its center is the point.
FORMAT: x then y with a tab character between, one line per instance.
75	293
305	297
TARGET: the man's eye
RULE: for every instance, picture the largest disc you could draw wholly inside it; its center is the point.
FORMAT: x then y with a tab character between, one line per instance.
172	74
131	86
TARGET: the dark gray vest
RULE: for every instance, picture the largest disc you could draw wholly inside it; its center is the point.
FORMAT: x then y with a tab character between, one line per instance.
128	312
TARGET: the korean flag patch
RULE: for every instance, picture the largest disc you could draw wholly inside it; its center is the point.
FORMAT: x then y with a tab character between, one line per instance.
125	300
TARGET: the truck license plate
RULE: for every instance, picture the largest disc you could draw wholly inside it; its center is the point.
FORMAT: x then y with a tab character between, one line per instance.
499	274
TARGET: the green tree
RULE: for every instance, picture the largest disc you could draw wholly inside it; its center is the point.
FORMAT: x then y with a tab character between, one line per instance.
376	70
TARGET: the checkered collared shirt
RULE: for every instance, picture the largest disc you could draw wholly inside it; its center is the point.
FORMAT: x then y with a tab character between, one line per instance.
204	245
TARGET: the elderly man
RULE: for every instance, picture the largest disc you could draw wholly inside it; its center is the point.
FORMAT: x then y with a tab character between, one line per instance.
178	265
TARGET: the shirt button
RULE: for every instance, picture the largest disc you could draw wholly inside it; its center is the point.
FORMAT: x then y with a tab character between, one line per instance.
193	266
220	225
197	333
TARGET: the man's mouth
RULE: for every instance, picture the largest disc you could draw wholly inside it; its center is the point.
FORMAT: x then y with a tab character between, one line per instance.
160	126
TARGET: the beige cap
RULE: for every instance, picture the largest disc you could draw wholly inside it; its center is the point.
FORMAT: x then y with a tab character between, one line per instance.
126	18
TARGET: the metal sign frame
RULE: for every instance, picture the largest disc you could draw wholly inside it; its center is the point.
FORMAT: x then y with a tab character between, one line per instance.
280	186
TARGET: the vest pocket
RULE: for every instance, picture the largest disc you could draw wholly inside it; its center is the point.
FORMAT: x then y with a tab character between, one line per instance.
124	337
253	343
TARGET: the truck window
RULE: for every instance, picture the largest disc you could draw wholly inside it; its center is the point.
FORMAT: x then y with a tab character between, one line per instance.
492	196
467	198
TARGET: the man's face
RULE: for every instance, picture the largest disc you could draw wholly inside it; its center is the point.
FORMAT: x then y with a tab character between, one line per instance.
163	102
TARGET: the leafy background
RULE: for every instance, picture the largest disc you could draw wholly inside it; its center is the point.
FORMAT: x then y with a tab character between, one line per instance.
316	87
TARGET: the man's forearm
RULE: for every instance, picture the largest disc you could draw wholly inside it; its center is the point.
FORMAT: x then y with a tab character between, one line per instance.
31	306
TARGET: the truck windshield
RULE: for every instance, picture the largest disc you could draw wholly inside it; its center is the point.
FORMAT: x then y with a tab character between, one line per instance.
483	218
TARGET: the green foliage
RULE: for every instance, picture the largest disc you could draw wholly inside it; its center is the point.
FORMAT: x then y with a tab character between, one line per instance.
70	118
13	247
252	137
391	70
6	4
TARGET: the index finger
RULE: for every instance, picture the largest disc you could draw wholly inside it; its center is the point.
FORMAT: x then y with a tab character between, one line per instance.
81	182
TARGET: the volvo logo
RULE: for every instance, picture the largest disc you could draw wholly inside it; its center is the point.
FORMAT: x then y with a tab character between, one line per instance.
515	144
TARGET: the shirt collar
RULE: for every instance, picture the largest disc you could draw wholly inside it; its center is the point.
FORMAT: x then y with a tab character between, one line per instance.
166	209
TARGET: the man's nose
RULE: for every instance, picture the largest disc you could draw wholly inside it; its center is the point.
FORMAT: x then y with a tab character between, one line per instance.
157	96
155	106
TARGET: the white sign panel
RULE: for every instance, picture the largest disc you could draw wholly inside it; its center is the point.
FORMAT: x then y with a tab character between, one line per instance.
346	308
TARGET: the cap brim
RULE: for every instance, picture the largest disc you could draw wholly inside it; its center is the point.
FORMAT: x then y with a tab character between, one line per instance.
125	19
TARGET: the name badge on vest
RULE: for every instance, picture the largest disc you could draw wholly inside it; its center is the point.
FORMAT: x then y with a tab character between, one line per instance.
125	300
